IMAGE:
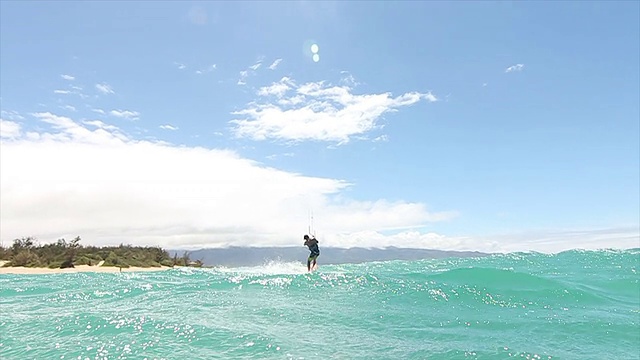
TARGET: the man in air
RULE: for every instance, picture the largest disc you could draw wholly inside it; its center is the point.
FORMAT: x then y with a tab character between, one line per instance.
312	244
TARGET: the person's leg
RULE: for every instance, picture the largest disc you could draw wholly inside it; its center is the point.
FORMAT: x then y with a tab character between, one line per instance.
309	264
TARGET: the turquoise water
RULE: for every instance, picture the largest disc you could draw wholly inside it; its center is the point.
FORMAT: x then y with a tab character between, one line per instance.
572	305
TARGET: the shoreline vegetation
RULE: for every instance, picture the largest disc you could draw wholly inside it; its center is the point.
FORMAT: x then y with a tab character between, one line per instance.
27	256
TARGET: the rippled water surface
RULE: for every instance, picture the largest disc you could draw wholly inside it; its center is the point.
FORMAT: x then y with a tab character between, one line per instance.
573	305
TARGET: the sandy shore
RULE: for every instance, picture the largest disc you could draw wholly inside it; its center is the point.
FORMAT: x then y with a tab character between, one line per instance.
77	269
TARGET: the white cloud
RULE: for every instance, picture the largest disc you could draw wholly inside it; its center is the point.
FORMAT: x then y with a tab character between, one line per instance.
251	70
408	239
168	127
278	89
104	88
101	125
9	129
99	111
275	64
243	77
68	107
77	90
125	114
348	79
274	156
90	180
517	67
180	66
554	241
11	115
66	130
67	77
547	241
207	69
317	111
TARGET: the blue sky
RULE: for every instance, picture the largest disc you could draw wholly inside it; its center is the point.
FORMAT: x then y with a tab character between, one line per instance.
496	126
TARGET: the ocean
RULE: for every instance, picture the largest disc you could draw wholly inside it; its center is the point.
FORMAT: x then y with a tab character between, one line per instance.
571	305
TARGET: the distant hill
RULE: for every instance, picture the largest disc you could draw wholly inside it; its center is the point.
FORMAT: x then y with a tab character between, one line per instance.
252	256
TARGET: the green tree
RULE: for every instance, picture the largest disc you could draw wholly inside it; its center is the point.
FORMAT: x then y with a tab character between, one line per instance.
23	244
63	253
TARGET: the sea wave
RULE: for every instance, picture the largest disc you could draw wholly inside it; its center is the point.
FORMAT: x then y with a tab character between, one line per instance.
574	304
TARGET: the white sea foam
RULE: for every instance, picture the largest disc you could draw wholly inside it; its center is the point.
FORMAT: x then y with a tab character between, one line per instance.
273	267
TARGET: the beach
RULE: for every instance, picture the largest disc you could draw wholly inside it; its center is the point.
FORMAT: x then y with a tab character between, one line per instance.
20	270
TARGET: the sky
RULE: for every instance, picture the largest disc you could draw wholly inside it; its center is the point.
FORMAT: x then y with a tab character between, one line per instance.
489	126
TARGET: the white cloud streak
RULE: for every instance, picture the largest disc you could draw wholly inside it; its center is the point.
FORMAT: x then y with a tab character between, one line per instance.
77	90
168	127
11	115
274	64
243	77
67	77
125	114
317	111
514	68
251	70
275	156
88	179
105	89
101	125
381	138
207	69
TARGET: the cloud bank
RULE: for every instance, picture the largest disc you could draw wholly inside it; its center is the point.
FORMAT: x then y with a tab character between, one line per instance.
89	179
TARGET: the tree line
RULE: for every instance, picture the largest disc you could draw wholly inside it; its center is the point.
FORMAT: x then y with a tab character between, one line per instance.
66	254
